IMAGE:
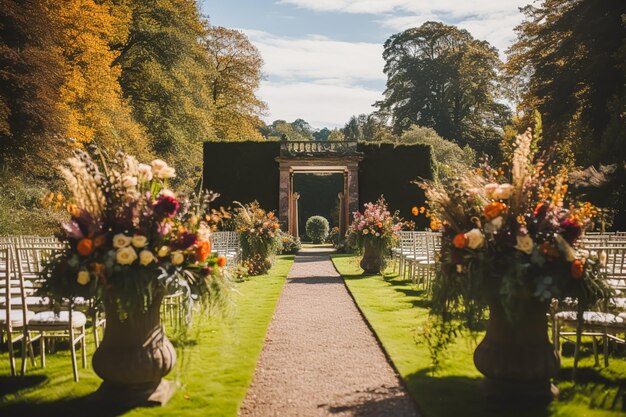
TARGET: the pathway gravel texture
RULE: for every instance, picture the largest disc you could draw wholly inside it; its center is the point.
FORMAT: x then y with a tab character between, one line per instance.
320	357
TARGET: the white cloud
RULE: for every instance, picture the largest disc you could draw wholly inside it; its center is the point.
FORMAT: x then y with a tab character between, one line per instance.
318	57
322	105
485	19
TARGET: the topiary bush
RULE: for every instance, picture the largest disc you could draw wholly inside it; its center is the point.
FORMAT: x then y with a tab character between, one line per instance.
317	228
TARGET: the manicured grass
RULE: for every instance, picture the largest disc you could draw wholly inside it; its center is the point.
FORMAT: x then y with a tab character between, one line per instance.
397	309
214	371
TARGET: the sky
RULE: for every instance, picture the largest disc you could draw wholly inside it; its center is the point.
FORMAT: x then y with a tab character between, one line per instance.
323	58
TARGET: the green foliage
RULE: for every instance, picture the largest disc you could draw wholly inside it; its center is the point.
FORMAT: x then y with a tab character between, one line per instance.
317	229
289	244
368	128
439	76
450	158
569	62
166	75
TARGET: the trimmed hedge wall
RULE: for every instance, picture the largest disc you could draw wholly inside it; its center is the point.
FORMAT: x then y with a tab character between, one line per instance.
390	170
318	197
247	171
242	171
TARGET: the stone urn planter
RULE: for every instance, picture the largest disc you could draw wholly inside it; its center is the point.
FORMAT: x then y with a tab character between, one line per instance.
517	358
134	356
373	261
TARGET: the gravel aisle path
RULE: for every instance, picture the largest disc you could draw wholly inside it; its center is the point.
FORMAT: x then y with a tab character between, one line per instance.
320	358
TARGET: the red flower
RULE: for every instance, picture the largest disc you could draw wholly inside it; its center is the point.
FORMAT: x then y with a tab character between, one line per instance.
84	247
570	230
460	241
203	251
166	206
221	261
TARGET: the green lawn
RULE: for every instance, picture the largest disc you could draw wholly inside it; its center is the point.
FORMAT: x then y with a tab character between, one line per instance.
396	309
214	372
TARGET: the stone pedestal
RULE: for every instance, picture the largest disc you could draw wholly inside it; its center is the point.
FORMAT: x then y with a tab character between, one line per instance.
134	356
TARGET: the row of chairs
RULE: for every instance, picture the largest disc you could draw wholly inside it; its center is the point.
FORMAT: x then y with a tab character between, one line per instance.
607	326
415	256
227	244
26	317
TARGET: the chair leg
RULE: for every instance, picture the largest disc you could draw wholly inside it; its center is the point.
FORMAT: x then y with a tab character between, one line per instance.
83	345
605	349
42	347
11	352
73	352
24	351
595	350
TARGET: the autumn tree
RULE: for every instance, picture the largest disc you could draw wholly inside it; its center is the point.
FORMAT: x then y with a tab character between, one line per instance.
569	62
165	75
31	74
90	94
439	76
236	64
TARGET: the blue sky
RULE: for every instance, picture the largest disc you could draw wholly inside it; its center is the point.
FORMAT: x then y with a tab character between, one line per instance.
323	58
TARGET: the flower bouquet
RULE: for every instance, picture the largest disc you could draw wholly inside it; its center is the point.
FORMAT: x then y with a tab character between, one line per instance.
509	243
260	237
130	241
374	232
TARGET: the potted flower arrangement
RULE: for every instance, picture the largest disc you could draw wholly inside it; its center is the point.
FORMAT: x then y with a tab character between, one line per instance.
259	234
129	241
508	244
374	231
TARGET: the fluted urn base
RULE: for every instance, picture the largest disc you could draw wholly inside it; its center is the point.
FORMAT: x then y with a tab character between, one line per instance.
517	358
134	356
373	261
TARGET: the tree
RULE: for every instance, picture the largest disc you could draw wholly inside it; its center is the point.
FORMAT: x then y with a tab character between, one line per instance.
569	62
321	134
237	67
368	127
166	74
90	94
450	158
298	130
441	77
31	74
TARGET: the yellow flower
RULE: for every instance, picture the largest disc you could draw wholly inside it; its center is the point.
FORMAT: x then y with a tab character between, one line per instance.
177	257
139	241
126	256
120	240
146	257
83	278
163	251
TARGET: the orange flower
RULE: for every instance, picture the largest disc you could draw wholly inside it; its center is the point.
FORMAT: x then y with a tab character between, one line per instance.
577	269
493	210
221	261
415	211
99	241
203	251
276	225
379	225
85	247
460	241
270	215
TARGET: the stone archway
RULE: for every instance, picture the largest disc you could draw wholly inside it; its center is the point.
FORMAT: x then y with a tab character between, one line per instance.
318	157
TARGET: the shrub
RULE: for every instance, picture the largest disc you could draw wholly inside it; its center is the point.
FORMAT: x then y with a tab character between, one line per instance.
290	245
334	237
317	229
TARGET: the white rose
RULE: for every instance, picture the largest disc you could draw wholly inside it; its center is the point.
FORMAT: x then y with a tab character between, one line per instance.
121	241
163	251
494	225
524	244
503	192
490	189
83	278
139	241
365	231
475	239
128	181
157	165
144	172
177	258
146	257
126	256
167	172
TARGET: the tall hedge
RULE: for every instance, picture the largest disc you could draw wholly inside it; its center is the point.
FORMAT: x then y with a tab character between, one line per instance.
390	170
242	171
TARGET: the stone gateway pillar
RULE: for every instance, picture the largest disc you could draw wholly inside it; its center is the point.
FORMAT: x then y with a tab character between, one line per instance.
317	157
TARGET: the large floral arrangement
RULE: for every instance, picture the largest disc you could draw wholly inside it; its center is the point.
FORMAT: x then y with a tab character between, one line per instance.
260	238
130	238
376	225
509	237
